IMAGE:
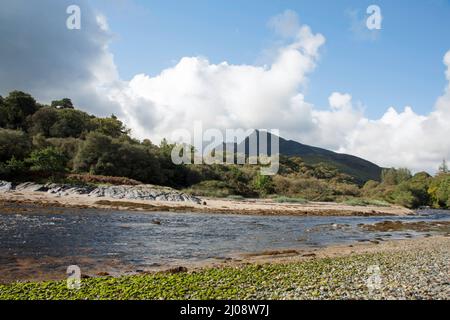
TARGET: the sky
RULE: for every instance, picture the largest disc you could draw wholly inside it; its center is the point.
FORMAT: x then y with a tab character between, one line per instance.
153	35
311	69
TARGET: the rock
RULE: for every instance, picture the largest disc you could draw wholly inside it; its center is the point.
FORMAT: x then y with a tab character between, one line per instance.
30	186
5	186
138	192
177	270
309	255
143	192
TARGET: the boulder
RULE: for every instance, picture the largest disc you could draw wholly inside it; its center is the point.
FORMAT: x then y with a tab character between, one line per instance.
5	186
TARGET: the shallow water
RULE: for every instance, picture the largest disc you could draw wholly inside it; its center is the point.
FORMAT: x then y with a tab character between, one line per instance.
149	239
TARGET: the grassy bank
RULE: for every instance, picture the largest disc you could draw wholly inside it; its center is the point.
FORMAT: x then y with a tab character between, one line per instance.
409	274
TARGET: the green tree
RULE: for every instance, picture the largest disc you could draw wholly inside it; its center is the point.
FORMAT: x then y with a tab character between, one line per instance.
47	160
17	106
2	113
12	169
439	191
62	104
42	121
263	184
103	155
13	143
96	147
111	127
71	123
419	185
67	146
395	176
404	197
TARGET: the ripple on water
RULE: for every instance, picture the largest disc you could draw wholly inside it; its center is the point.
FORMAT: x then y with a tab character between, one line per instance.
155	238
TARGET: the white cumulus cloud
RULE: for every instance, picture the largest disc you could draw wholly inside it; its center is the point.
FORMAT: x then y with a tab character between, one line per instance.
405	139
225	95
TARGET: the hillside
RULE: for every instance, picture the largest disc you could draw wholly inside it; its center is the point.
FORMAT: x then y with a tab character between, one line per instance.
361	170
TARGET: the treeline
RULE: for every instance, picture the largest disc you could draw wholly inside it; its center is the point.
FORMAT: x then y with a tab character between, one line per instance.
49	141
60	143
399	186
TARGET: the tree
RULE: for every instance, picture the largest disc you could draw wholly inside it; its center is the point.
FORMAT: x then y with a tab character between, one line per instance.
2	113
95	147
17	106
103	155
443	168
111	127
13	143
263	184
419	185
47	160
439	191
12	169
42	121
395	176
67	146
71	123
404	197
62	104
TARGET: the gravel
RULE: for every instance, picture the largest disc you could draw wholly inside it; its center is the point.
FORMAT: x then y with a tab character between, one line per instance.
410	272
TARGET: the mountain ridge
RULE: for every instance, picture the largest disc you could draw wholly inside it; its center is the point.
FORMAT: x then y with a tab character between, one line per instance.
360	169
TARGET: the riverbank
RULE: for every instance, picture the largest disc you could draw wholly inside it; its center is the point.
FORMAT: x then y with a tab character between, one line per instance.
408	269
204	205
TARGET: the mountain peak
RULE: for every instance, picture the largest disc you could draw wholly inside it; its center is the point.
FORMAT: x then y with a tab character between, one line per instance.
360	169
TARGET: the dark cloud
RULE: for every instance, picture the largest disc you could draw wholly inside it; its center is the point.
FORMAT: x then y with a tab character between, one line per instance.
41	56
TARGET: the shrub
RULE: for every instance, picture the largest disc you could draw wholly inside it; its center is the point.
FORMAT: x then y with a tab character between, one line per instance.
13	169
13	143
404	198
367	202
282	199
16	107
47	160
211	188
95	179
236	197
263	184
439	191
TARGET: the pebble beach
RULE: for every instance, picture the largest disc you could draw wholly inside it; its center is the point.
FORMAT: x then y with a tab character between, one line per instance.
401	270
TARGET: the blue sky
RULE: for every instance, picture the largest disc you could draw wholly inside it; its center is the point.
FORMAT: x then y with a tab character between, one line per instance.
401	66
149	67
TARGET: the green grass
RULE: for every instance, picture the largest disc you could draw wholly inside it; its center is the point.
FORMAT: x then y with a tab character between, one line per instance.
290	200
366	202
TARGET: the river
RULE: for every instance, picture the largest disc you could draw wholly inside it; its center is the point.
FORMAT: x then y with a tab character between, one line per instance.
35	242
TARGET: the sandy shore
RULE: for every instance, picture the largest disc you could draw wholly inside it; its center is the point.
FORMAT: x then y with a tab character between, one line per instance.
219	206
